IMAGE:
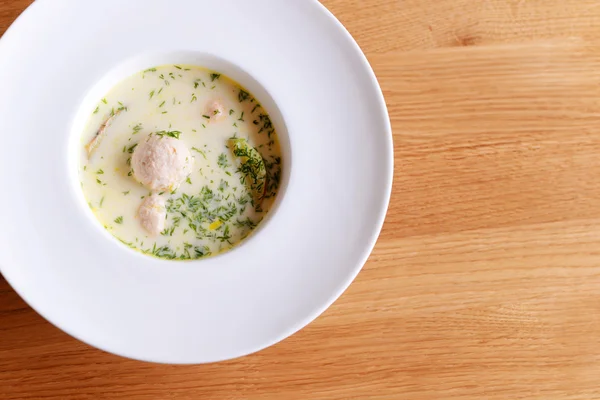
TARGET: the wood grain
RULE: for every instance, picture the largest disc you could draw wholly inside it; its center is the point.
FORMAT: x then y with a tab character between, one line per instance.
485	283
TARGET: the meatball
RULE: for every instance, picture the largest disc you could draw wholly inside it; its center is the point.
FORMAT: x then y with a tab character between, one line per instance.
215	110
161	163
152	214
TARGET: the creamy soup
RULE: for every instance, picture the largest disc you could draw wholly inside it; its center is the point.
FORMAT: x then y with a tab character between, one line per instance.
179	162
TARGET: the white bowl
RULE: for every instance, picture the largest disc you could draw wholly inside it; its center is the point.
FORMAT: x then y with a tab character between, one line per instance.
329	110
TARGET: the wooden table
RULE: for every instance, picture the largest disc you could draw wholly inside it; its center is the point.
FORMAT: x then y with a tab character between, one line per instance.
485	283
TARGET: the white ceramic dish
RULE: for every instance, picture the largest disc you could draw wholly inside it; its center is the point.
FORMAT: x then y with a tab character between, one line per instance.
331	116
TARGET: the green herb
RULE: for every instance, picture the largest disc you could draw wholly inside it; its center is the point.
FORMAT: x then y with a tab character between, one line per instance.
104	101
222	161
162	104
241	118
202	251
168	231
205	116
243	200
265	123
252	169
137	128
100	172
126	193
173	134
243	95
119	220
225	236
151	94
194	98
132	148
161	252
214	76
231	112
223	185
247	223
127	243
167	83
96	110
201	152
188	180
177	66
101	201
150	70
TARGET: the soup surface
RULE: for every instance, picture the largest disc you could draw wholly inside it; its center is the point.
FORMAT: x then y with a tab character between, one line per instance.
180	162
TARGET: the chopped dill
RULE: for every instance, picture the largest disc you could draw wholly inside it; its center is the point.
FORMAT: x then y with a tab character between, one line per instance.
200	151
173	134
222	161
137	128
243	95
